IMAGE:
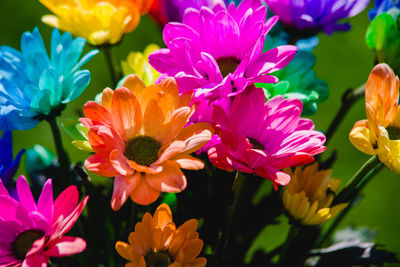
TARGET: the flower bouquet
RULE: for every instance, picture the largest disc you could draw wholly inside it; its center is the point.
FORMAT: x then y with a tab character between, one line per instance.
202	149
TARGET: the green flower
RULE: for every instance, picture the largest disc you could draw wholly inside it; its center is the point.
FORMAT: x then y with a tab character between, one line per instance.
383	36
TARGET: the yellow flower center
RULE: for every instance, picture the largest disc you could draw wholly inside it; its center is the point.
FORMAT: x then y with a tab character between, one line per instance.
256	144
394	132
23	243
227	65
143	150
158	259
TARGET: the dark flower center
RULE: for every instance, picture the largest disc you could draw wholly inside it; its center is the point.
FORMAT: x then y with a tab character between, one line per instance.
256	144
23	243
227	65
143	150
394	132
158	259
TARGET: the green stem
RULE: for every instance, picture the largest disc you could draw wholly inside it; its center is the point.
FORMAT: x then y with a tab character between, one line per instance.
351	201
115	70
352	185
283	257
63	158
232	210
348	99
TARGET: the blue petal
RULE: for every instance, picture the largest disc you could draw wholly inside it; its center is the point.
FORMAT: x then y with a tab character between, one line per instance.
5	150
12	169
79	81
85	59
12	118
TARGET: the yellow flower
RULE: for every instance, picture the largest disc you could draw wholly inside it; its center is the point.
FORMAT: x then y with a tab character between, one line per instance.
309	195
138	63
157	242
98	21
380	134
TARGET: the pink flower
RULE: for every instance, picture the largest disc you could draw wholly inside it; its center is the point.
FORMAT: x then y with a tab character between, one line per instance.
30	232
262	138
218	52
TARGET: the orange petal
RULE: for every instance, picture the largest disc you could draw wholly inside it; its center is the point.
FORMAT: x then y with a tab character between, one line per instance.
124	250
381	95
144	194
100	165
103	139
171	179
106	97
144	169
126	113
188	162
177	121
96	112
162	216
153	119
119	163
123	187
134	83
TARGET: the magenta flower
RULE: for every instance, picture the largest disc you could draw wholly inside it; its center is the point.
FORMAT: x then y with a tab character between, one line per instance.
218	52
30	232
263	138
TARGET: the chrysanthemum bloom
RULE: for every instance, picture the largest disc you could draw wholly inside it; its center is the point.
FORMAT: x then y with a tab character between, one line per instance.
309	195
34	85
263	138
138	136
138	63
30	232
8	165
380	133
297	80
382	6
383	37
214	47
314	16
165	11
98	21
157	242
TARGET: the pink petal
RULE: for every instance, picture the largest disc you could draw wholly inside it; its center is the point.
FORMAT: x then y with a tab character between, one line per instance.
35	261
66	202
3	190
119	163
123	187
100	165
66	246
45	202
25	195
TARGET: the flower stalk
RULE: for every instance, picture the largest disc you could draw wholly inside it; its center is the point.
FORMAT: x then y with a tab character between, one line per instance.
294	230
115	71
348	99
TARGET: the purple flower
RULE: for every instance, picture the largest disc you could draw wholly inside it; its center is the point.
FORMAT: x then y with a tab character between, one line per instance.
218	52
8	166
313	16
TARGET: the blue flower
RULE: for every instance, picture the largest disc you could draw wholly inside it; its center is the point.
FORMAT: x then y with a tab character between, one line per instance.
8	166
34	85
383	6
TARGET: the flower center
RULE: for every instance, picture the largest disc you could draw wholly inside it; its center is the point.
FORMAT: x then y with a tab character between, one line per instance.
142	150
158	259
227	65
256	144
394	132
23	243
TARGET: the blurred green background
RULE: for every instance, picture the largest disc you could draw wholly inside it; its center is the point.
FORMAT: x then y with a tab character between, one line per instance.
343	60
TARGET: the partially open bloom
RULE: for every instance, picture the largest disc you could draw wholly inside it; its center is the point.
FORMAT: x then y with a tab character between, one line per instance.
157	242
30	232
78	132
383	37
380	133
34	85
214	53
165	11
262	138
98	21
314	16
8	165
309	195
138	136
138	63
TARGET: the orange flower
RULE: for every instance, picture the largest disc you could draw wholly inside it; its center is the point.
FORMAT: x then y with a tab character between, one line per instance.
157	242
138	136
380	134
98	21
